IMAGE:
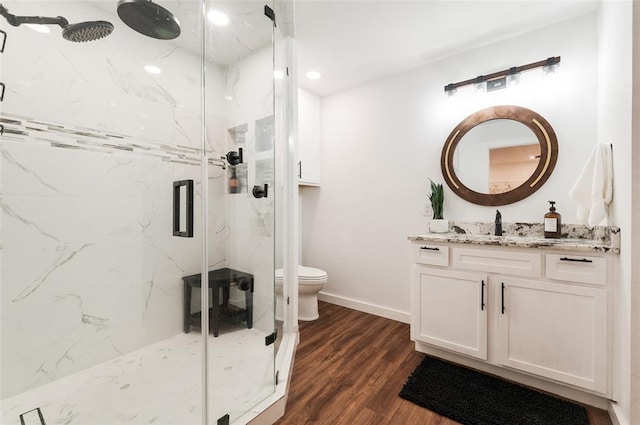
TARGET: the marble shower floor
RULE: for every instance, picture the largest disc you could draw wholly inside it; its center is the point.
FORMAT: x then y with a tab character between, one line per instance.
158	384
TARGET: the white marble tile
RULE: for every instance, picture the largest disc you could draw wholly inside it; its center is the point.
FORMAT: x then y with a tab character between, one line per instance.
90	271
158	384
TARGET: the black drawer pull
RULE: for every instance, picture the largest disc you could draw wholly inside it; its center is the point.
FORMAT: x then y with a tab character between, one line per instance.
428	248
575	260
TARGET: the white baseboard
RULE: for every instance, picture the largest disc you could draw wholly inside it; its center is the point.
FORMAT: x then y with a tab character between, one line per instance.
377	310
616	415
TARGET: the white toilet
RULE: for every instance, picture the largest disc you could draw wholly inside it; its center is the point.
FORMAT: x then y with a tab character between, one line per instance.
310	282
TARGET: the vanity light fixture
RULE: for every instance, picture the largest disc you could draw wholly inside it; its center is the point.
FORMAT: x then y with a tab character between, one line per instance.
548	63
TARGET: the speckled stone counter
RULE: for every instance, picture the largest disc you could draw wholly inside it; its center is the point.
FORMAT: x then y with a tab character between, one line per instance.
529	235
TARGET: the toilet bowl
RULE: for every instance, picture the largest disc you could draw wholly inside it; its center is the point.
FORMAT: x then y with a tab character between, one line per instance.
310	282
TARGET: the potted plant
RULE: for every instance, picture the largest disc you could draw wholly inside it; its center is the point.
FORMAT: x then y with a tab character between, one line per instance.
438	224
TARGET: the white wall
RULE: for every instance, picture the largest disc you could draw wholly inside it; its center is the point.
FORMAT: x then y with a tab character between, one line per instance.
614	126
382	142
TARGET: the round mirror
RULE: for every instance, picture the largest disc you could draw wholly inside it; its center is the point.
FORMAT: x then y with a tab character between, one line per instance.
499	155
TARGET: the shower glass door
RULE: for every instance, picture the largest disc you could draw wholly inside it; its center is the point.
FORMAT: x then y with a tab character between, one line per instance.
240	125
93	324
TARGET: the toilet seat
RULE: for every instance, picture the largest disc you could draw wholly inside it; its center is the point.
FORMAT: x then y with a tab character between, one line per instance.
305	275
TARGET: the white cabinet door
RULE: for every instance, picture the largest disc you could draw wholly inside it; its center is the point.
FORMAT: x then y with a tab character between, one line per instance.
554	330
449	310
308	139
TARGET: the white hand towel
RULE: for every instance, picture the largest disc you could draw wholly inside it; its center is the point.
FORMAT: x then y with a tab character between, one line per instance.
594	188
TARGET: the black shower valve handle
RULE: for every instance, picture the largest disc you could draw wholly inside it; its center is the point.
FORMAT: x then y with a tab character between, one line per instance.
235	158
261	191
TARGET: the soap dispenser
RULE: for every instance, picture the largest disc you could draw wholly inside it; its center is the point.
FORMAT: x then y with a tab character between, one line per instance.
234	182
552	222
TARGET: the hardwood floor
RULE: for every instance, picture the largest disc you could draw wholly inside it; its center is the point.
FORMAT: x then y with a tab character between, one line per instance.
349	369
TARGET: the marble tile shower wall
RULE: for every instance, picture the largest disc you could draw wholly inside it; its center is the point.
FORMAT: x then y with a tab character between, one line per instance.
89	268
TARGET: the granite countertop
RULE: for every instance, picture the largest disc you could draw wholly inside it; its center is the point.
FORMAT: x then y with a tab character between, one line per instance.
527	235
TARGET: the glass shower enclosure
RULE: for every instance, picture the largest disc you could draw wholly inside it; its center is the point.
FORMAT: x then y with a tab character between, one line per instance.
137	168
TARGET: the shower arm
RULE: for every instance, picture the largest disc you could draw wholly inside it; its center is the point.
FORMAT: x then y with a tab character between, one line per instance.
16	21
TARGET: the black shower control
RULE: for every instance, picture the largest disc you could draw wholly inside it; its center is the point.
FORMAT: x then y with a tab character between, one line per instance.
235	158
261	191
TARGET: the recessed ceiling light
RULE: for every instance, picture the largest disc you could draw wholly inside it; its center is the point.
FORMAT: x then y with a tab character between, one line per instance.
151	69
218	18
313	75
39	28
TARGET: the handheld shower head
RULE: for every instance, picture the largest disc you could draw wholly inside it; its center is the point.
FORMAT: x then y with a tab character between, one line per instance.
87	31
83	31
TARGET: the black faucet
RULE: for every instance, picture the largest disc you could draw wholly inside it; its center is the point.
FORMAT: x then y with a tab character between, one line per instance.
498	223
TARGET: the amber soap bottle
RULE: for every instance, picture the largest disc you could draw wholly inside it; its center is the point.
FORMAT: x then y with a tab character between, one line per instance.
552	223
234	182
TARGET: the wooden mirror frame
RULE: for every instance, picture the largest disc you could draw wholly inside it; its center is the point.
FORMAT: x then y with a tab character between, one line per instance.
548	154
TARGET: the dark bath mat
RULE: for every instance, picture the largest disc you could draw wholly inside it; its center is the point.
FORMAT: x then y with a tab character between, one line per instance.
474	398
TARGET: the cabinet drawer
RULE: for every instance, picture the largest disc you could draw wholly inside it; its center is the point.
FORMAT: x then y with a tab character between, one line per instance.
432	254
577	268
505	262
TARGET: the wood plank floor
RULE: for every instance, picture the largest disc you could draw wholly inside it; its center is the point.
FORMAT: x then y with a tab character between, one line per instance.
349	369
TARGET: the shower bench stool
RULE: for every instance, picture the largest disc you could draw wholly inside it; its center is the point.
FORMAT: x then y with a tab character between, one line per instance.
220	279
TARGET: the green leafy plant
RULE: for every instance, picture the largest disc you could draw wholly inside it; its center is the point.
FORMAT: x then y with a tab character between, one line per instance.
437	200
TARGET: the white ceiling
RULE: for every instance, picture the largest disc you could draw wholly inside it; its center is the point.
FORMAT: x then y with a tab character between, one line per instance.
355	41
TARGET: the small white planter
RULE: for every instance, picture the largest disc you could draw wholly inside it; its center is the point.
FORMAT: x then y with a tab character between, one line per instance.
439	226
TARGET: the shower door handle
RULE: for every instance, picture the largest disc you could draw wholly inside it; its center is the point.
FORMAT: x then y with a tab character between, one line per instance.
183	208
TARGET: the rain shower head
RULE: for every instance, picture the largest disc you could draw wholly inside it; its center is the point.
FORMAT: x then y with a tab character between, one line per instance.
81	32
149	19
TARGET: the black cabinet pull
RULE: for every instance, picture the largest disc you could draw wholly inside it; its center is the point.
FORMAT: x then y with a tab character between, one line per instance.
576	260
299	169
482	296
503	309
2	95
188	232
428	248
4	41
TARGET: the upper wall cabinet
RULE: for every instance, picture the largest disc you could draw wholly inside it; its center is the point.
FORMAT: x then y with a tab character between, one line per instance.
308	139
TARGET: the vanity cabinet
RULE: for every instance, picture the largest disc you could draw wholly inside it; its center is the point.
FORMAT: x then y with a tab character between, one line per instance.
450	310
541	313
308	139
554	330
